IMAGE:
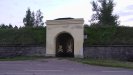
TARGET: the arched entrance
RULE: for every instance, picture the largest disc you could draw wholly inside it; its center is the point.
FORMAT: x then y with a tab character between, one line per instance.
64	38
64	45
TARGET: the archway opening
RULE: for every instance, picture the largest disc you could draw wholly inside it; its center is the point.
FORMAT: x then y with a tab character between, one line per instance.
64	45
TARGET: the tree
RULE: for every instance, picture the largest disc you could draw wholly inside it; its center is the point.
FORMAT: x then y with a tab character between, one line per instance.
32	20
103	10
3	26
39	19
10	26
15	27
28	19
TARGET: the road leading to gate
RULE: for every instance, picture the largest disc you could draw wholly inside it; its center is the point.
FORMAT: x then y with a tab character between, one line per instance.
55	66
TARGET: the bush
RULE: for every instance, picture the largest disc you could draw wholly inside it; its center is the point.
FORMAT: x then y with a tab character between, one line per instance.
23	36
96	36
109	36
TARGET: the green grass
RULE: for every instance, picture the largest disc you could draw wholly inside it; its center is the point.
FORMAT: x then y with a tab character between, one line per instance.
21	58
23	36
96	36
106	63
109	36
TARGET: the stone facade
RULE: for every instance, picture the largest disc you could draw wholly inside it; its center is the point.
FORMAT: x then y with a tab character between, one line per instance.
74	27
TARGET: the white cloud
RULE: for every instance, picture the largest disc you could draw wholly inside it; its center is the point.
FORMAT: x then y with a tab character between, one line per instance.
123	9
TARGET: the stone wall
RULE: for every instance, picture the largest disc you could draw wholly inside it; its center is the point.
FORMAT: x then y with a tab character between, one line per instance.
96	52
11	51
109	52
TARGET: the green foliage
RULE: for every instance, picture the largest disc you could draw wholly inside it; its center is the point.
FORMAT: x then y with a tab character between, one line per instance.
103	13
109	36
23	36
124	36
39	19
33	20
96	36
3	26
28	19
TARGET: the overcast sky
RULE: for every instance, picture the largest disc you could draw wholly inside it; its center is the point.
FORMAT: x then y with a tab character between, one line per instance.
13	11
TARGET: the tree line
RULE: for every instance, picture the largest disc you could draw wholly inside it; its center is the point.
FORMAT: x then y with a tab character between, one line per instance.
3	26
30	20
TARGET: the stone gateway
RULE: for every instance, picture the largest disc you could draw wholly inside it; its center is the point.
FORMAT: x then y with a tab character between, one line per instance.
65	38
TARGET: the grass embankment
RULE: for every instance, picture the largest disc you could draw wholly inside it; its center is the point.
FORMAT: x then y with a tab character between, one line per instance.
23	36
96	36
109	36
106	63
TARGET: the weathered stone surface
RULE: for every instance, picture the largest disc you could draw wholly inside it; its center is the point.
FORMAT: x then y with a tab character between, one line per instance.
74	27
109	52
11	51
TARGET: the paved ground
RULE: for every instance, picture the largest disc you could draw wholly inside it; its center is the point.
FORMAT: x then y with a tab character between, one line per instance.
56	67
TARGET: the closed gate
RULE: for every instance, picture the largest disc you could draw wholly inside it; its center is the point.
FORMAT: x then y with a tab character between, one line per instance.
64	45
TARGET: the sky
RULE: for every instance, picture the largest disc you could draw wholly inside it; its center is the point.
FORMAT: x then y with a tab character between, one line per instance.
13	11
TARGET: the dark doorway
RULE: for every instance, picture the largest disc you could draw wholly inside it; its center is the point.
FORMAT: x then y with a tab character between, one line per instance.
64	45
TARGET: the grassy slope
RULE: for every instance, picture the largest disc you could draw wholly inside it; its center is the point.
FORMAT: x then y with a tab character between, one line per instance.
109	36
23	36
96	36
